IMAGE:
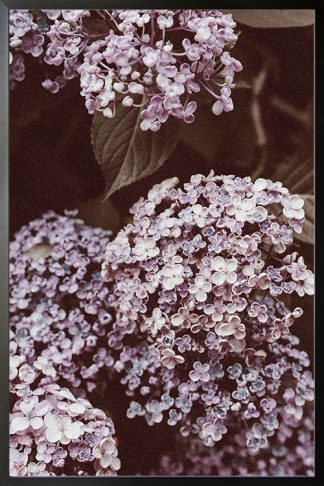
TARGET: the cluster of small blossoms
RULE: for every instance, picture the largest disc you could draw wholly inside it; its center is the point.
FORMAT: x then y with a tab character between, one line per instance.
57	37
160	57
53	433
58	313
199	284
290	453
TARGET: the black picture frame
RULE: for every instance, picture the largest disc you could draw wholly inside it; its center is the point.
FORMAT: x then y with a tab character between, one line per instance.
318	6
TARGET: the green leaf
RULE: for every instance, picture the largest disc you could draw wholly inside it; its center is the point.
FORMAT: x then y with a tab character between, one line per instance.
274	18
125	153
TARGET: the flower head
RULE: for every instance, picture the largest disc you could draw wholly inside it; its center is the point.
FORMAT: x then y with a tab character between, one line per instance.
202	316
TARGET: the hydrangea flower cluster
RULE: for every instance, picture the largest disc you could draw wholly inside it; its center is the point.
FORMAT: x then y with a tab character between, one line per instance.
200	280
58	313
290	451
53	433
52	35
155	59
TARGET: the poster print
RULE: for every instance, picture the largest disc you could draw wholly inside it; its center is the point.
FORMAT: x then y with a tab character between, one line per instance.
161	242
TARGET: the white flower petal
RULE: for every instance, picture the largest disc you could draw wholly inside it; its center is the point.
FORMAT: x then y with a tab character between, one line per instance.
42	408
231	265
51	421
260	184
36	423
18	424
201	296
231	277
218	264
76	408
115	464
73	431
27	405
219	278
53	435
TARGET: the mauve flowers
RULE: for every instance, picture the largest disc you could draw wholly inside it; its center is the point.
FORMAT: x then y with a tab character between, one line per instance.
154	59
53	433
58	303
199	332
290	453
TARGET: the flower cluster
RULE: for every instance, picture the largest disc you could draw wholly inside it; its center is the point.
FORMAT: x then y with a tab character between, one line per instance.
55	36
200	279
58	313
53	433
156	59
290	453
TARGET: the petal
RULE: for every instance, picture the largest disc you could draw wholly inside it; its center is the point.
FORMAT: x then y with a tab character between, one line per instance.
224	330
167	271
289	213
299	214
76	408
115	464
177	320
240	215
218	107
105	461
50	421
64	393
239	334
231	277
234	320
96	452
219	278
247	204
194	376
28	404
42	408
199	280
108	445
260	184
169	283
231	265
18	424
36	423
296	201
218	264
53	435
201	296
238	345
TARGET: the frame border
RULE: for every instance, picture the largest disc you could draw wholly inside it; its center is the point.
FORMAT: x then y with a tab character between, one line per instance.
318	6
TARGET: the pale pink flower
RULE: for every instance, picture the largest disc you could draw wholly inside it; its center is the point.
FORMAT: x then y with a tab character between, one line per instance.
224	270
170	359
293	206
62	429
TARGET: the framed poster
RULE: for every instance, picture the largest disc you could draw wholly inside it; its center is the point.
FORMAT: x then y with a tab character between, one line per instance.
158	170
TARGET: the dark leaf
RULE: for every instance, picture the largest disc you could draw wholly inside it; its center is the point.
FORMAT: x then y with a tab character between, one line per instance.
95	26
125	153
273	17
